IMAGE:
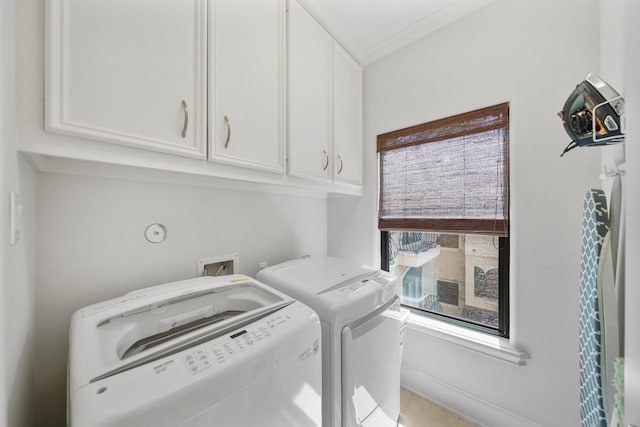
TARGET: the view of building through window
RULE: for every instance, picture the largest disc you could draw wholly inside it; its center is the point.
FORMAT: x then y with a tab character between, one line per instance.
452	274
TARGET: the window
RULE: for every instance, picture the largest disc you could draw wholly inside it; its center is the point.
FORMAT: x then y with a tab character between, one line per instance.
444	216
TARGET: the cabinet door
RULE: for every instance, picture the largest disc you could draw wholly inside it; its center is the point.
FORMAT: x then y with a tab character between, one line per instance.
247	68
128	71
347	117
309	96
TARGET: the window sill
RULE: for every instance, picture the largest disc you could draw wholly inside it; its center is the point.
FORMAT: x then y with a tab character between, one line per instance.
478	342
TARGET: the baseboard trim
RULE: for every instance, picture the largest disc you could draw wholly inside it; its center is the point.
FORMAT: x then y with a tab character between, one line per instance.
461	402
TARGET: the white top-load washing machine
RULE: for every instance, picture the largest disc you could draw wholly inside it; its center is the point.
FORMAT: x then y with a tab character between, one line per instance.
226	351
362	328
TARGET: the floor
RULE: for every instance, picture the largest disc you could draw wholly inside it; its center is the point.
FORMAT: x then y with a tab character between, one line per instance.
418	412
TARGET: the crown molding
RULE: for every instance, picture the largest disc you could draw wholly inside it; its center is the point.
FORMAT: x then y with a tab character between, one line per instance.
443	17
323	13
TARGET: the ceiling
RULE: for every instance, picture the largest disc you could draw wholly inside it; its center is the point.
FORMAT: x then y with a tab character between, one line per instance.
371	29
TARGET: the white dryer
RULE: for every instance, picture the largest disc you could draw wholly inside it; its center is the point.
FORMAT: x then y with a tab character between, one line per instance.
362	327
201	352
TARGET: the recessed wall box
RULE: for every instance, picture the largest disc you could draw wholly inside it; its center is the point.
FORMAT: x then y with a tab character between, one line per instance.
218	266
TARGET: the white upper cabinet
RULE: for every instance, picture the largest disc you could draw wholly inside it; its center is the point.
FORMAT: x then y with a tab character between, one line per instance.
310	96
325	104
258	88
347	117
247	86
131	72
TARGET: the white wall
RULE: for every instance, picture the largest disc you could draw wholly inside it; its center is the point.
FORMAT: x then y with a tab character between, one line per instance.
532	54
620	66
6	47
16	262
19	301
92	247
632	181
612	70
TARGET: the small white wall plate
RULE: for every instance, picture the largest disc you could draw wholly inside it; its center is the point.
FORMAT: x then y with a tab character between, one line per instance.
156	233
15	231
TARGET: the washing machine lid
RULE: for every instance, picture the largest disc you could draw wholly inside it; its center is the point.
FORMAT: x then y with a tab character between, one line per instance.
334	288
314	275
146	325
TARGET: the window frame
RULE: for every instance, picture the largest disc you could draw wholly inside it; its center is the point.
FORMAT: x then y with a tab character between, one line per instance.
503	291
423	133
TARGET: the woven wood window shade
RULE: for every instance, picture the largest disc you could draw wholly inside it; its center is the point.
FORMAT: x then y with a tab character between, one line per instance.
449	175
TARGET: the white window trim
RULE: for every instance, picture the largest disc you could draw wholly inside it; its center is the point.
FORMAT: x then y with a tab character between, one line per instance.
462	337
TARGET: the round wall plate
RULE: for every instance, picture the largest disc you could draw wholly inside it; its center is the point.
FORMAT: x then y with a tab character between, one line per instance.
156	233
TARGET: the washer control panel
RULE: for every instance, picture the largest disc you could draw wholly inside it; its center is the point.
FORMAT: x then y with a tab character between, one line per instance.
223	349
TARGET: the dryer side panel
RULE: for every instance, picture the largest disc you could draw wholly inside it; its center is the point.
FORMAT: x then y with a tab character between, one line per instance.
371	353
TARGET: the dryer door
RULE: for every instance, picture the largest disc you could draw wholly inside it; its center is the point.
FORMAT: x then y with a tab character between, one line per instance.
371	368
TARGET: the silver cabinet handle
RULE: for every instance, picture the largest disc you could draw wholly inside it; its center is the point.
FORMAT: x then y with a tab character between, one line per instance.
341	164
228	123
185	125
325	160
